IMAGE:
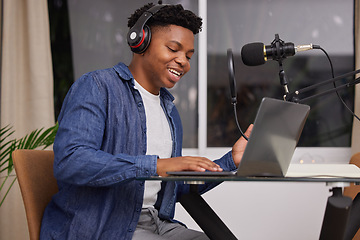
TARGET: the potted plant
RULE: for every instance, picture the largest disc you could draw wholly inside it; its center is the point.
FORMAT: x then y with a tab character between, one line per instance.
38	138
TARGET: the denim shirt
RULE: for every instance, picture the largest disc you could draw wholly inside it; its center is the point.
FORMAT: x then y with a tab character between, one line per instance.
100	154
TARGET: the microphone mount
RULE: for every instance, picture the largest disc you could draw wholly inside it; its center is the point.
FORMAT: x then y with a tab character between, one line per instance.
279	44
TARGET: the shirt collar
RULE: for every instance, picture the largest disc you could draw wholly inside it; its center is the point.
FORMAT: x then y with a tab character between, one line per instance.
123	71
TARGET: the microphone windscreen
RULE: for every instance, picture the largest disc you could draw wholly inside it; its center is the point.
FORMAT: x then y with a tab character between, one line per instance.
252	54
231	70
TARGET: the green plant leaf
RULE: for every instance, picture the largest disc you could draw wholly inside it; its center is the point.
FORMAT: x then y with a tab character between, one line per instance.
7	158
8	189
38	138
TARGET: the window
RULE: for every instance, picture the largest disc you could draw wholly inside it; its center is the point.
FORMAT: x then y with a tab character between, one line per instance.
98	39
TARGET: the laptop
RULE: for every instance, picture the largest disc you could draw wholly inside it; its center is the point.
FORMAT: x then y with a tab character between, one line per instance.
277	128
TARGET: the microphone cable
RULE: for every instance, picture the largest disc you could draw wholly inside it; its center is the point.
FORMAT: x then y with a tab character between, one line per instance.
334	84
237	123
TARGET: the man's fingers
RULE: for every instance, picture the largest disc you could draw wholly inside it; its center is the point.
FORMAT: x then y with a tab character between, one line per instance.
200	164
248	130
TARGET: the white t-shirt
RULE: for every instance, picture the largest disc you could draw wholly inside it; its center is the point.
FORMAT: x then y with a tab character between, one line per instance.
159	141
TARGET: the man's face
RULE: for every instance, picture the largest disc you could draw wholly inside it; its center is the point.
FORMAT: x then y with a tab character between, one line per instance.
168	56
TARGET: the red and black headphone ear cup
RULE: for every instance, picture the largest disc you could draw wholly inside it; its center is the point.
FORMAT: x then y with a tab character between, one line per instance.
144	43
139	36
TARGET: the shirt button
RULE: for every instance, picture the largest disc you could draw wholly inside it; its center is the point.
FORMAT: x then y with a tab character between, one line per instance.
130	230
139	104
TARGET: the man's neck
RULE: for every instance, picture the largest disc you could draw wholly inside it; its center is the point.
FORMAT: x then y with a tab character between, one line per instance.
141	77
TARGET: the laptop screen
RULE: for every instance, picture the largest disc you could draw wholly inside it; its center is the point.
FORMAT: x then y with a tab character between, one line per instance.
277	129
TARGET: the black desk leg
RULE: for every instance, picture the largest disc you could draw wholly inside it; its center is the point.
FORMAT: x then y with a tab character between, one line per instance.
204	216
354	219
336	216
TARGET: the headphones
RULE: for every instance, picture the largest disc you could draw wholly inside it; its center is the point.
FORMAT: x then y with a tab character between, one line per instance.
139	35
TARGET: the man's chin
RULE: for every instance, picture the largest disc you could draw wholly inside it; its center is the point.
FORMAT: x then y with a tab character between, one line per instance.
170	84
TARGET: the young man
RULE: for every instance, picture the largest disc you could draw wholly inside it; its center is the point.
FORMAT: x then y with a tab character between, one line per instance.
119	124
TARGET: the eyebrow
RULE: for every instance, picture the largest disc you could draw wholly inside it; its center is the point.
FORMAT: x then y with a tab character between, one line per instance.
180	45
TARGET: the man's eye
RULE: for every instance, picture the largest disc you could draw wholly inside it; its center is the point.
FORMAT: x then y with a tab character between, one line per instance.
171	49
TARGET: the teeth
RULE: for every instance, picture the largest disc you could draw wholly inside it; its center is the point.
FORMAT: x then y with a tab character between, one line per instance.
175	72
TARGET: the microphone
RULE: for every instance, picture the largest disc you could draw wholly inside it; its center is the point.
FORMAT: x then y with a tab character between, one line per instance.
254	54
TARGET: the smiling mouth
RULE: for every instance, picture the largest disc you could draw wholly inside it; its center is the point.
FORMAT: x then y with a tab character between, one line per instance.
176	73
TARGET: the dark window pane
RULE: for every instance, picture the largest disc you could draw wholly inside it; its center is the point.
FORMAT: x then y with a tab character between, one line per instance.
240	22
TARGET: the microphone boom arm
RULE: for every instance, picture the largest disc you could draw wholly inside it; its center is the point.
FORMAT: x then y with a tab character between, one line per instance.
294	96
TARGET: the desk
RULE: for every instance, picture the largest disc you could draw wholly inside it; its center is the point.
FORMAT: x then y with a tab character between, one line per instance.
209	222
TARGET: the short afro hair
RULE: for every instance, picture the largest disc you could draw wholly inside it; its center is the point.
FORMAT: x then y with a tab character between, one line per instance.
169	15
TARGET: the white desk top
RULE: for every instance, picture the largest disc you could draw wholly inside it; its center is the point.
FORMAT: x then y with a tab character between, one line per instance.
324	170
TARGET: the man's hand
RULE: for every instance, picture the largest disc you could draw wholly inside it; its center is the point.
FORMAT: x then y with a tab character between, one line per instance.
199	164
239	147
